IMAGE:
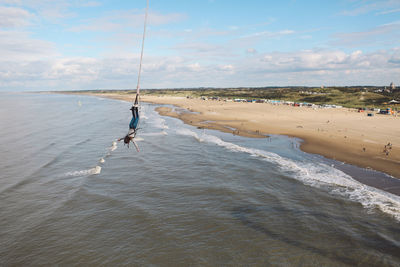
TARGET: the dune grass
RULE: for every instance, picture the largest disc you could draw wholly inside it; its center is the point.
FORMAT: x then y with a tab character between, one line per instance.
351	97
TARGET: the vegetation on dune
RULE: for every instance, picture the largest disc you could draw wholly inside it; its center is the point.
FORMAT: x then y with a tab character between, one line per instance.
354	97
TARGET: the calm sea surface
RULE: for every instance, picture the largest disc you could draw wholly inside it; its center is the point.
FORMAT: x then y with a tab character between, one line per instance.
71	195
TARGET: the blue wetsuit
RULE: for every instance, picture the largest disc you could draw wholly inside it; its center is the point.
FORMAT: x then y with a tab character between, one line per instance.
135	119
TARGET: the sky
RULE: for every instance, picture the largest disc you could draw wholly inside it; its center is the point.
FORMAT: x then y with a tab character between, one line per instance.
89	45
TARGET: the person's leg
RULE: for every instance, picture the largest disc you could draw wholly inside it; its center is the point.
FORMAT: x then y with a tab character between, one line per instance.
136	111
132	123
136	116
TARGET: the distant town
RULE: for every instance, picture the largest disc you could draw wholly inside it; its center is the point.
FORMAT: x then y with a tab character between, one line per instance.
359	97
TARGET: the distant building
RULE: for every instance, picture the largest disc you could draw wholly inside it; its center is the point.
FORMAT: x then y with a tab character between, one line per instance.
392	86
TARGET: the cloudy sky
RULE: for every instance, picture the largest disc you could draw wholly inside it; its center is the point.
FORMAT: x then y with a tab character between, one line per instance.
78	44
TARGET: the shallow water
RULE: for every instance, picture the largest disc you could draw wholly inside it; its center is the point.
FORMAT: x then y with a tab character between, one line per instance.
71	195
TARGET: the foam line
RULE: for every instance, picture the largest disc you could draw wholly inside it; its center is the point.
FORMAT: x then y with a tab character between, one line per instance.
316	175
159	123
114	146
95	170
154	134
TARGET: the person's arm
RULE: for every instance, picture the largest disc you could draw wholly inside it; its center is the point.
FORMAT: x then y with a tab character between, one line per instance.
137	148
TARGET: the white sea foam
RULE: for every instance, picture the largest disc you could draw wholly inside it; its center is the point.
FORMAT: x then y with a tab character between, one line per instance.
95	170
159	122
114	146
316	175
185	131
154	134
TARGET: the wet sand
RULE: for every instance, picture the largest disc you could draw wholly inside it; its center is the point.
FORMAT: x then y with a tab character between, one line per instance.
341	134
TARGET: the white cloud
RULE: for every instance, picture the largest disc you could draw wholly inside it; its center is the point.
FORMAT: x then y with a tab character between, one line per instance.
50	10
305	37
381	7
199	58
119	20
313	60
91	4
227	68
309	67
315	67
269	34
12	17
251	51
194	67
389	11
204	51
386	33
395	58
20	46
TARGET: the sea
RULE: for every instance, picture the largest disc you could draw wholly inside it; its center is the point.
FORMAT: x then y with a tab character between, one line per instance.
72	195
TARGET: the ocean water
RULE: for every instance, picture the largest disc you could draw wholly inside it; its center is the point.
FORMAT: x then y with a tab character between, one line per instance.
71	195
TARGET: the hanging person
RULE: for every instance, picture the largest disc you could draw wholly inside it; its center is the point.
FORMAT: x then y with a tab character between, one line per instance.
135	108
132	125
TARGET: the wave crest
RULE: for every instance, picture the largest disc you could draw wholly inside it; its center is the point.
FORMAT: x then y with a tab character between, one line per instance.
316	175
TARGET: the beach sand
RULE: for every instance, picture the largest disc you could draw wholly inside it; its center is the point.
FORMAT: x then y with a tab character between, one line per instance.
337	133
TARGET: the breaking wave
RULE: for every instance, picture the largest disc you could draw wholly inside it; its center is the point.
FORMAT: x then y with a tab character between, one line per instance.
159	122
315	174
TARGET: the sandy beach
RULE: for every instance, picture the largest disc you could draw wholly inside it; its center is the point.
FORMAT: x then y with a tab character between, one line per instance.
337	133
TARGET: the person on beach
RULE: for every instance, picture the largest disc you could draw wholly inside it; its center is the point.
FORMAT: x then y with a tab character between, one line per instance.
132	127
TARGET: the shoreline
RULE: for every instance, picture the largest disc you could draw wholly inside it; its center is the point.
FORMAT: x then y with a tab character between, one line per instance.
338	134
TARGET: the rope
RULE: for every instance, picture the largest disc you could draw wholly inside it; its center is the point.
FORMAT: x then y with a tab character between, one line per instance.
141	54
